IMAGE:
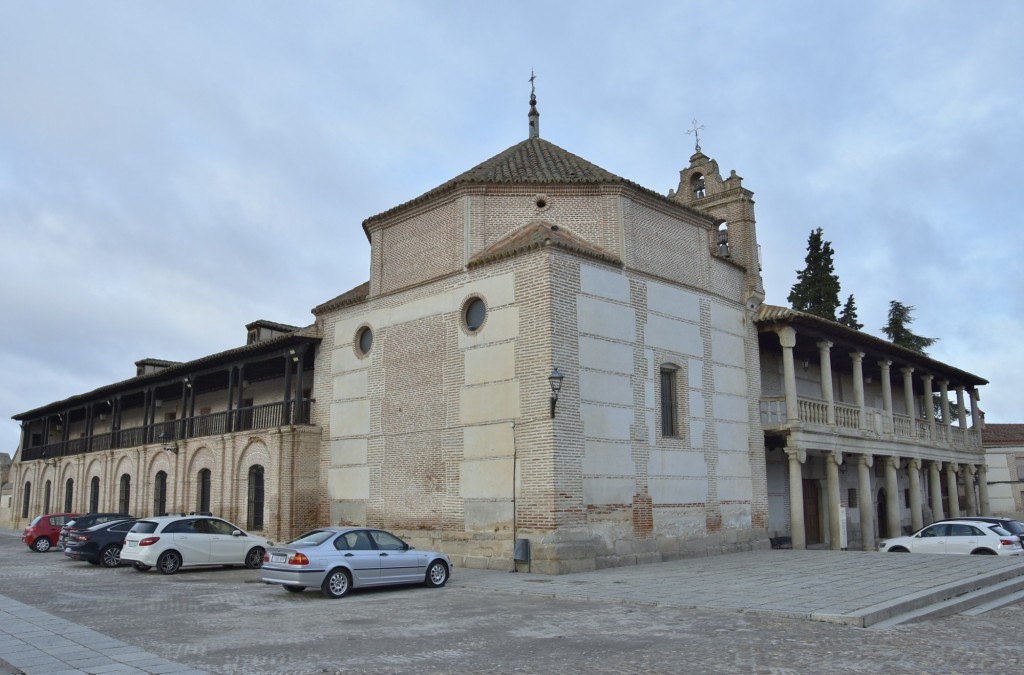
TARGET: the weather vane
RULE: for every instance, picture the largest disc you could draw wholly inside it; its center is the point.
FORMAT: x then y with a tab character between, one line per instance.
697	128
533	90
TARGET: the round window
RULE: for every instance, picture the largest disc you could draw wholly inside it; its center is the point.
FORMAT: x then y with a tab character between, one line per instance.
365	340
476	312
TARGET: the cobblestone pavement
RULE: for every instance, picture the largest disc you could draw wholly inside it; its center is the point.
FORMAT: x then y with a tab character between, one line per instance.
626	620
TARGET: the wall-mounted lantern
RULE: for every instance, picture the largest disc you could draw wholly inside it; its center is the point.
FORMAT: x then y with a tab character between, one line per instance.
555	380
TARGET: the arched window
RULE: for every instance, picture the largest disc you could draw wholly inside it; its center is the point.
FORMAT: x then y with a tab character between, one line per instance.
46	497
255	518
723	239
69	492
203	493
94	495
697	185
25	498
124	500
160	493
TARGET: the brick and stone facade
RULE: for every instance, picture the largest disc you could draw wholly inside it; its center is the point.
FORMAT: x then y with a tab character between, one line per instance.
444	433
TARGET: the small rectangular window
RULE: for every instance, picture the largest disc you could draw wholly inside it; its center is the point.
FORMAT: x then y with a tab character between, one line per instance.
851	498
669	423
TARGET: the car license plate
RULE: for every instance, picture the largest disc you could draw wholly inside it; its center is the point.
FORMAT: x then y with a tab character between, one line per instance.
132	544
278	558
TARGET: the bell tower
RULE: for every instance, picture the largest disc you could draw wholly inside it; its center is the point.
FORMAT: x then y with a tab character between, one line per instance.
732	206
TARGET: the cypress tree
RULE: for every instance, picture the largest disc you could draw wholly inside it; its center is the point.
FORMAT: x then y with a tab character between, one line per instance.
817	288
848	317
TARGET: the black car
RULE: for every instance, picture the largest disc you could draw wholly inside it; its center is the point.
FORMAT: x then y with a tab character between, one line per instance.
84	522
1009	524
100	544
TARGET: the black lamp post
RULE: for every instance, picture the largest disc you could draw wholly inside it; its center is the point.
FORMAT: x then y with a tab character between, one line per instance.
555	380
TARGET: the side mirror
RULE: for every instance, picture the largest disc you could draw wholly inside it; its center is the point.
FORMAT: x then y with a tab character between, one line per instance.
236	533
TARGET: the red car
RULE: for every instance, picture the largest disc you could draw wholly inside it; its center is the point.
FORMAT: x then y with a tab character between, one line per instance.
41	534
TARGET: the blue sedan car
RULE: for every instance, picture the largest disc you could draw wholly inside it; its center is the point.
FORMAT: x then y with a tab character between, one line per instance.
336	559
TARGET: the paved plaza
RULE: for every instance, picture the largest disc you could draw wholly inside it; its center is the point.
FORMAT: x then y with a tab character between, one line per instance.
761	612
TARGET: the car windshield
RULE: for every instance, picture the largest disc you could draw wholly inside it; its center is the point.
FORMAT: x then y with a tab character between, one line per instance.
144	527
70	523
314	538
35	521
999	530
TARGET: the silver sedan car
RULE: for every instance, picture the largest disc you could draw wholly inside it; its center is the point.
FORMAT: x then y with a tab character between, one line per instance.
335	559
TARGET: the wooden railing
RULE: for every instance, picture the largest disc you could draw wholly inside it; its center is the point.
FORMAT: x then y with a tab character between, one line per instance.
265	416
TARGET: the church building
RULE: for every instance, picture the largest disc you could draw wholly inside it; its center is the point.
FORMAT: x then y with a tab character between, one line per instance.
549	368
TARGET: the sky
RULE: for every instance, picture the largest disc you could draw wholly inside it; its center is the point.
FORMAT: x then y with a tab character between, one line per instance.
171	171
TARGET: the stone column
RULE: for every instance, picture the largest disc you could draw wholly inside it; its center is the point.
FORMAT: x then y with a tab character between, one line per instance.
914	472
976	420
951	490
796	498
892	500
944	394
935	490
969	501
865	503
986	508
886	392
908	397
858	387
832	462
961	409
825	361
787	338
928	412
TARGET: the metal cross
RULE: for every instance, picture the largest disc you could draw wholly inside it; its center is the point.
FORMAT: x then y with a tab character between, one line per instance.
533	77
696	133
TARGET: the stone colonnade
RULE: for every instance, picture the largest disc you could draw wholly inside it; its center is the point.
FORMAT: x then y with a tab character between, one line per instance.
787	339
974	505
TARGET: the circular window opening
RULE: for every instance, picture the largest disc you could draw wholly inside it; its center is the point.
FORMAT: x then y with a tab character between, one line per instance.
476	312
541	202
365	340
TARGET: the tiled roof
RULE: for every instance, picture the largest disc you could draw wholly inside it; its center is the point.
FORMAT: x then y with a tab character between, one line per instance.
767	314
533	161
536	235
351	297
179	368
1003	434
272	325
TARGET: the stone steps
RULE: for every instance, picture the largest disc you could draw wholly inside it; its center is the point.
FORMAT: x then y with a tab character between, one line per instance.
969	597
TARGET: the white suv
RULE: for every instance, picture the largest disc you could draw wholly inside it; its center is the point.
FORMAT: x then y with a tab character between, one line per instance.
172	542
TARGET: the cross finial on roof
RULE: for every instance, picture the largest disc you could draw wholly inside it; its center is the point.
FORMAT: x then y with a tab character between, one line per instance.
697	128
534	115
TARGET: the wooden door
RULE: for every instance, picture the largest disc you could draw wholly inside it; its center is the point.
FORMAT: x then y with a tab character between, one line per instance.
812	515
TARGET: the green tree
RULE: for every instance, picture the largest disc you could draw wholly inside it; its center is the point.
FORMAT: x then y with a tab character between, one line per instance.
848	317
817	288
898	329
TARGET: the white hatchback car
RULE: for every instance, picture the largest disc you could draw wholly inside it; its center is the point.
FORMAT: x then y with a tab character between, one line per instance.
172	542
962	536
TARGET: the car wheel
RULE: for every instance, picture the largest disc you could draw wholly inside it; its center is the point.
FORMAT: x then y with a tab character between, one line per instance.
93	562
294	589
983	551
169	562
111	556
254	558
898	549
140	567
41	545
437	574
336	584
